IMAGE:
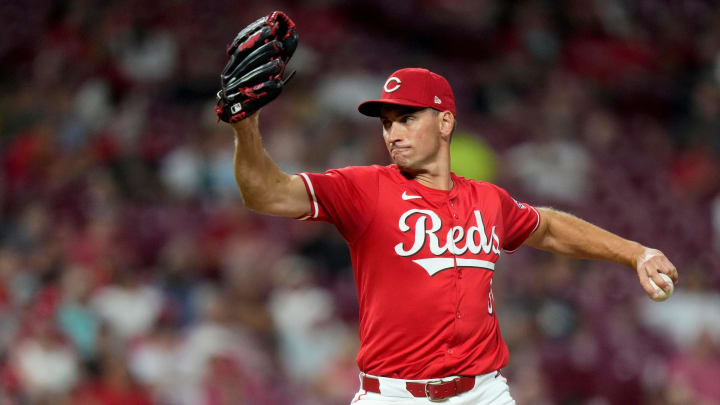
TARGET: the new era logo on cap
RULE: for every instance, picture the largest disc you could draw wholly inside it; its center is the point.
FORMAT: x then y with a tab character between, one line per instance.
414	87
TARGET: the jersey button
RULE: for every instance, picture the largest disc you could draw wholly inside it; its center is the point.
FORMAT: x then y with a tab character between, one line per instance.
451	351
458	315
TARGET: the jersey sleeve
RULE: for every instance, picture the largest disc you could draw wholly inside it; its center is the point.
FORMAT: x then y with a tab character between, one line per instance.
346	198
520	221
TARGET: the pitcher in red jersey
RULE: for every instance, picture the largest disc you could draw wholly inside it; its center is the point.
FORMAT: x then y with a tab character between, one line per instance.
424	244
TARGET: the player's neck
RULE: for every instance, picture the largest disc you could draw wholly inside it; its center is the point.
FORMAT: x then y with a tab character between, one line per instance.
436	183
438	179
434	173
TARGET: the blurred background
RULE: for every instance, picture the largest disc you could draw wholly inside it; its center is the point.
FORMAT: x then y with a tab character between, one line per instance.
130	272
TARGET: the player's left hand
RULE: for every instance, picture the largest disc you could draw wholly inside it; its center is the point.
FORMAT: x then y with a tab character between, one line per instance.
649	265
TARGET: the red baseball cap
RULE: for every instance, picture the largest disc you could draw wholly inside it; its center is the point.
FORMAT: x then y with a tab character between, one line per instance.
414	87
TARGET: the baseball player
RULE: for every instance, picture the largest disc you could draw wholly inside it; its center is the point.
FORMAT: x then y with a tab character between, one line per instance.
424	242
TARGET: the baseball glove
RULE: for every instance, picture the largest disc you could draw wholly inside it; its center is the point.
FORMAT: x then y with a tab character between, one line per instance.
253	76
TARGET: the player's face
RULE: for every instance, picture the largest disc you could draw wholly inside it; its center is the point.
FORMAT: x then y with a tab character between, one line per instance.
412	135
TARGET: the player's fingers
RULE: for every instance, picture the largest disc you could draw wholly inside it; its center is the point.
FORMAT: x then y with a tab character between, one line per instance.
666	267
654	267
671	271
645	283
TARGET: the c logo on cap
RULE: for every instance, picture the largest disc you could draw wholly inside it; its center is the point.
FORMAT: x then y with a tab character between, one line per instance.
387	83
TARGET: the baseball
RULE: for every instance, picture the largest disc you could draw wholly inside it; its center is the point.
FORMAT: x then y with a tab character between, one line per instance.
662	294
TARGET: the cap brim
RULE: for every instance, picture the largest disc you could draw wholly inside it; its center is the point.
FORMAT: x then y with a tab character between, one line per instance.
372	108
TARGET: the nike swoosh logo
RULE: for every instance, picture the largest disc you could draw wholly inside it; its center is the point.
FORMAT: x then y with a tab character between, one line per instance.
406	197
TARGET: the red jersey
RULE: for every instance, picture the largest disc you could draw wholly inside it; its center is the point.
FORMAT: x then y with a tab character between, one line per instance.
423	261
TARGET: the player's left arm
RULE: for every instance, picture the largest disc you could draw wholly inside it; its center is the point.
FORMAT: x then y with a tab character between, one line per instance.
566	234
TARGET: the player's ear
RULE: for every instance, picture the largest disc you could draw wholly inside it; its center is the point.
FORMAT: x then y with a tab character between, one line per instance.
446	122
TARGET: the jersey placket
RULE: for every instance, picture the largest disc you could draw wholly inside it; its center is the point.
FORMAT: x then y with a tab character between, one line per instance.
455	221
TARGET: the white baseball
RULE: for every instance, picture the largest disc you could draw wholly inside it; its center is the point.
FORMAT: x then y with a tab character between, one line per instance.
662	294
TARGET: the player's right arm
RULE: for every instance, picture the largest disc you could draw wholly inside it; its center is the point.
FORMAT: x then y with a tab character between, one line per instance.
264	187
566	234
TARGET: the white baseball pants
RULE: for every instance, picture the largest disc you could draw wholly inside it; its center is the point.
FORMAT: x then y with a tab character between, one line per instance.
490	389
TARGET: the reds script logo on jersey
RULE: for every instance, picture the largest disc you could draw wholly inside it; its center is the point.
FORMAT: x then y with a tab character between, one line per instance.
457	241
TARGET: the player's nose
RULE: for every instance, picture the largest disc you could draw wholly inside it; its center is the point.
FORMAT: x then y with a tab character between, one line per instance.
392	131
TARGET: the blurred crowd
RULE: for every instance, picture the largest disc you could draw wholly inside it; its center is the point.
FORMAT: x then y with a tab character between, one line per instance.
131	273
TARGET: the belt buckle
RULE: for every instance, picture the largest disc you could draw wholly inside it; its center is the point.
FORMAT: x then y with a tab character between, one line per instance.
427	391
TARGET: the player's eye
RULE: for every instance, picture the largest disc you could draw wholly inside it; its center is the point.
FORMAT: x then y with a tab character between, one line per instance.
386	123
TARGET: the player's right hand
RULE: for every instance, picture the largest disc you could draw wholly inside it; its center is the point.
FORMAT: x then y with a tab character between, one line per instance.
649	264
253	76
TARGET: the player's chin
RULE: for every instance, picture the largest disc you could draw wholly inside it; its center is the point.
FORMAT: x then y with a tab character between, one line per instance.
405	166
401	162
400	159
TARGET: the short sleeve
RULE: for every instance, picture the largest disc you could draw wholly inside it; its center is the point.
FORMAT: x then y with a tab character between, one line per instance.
520	221
346	198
